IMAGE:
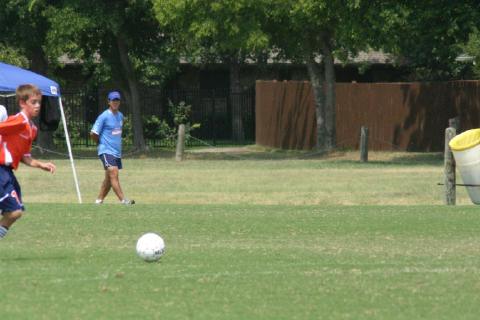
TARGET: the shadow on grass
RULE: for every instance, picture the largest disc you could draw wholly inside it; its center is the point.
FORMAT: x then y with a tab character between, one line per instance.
33	258
256	153
336	157
421	158
407	159
259	156
91	154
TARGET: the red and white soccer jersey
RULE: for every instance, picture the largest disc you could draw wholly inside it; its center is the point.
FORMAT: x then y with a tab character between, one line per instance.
16	136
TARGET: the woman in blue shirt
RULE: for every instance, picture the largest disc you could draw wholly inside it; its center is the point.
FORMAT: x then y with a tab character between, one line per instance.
107	132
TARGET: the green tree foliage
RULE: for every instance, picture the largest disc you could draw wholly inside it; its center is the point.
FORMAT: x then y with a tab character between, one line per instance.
215	30
23	31
13	56
472	50
428	35
228	31
138	41
115	40
181	112
425	34
315	32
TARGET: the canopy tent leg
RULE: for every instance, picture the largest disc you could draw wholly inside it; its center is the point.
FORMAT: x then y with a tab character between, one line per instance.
67	139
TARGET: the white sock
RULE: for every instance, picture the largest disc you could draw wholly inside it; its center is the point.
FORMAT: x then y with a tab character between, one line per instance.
3	231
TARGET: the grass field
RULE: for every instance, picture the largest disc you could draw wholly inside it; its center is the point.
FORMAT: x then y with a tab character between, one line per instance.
247	238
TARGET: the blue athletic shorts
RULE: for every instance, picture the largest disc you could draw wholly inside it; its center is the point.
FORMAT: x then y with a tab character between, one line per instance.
110	161
10	192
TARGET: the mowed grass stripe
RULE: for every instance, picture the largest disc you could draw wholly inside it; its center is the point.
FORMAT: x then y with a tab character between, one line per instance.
243	262
392	179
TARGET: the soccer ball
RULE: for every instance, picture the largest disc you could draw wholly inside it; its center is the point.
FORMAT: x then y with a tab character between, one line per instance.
150	247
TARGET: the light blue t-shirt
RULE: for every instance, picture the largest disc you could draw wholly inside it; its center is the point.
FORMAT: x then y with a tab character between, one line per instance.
108	127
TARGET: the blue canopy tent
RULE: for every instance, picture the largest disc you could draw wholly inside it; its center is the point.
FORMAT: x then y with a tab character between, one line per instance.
11	77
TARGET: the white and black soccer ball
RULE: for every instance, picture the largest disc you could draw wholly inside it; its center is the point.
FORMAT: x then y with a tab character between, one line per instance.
150	247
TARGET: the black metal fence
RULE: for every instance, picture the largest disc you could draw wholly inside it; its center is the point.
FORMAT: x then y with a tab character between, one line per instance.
218	117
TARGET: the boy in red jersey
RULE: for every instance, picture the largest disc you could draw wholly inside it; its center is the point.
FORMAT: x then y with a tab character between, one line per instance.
16	136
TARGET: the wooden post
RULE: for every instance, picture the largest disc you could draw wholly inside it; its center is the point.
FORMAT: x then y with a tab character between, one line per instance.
450	189
179	154
214	127
454	123
364	144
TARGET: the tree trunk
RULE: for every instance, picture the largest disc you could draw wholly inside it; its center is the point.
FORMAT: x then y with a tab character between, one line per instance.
330	112
39	64
316	79
238	133
134	95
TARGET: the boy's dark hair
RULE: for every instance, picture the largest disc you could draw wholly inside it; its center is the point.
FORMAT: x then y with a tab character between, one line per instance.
25	91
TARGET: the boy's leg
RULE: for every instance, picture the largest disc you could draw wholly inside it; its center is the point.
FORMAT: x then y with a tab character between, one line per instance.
11	205
8	219
3	231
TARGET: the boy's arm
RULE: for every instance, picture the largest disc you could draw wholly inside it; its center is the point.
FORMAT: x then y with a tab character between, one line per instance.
46	166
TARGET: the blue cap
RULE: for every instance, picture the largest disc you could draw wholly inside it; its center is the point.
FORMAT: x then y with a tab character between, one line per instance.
114	95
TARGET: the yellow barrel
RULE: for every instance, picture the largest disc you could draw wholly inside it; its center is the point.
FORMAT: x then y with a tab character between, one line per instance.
466	151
